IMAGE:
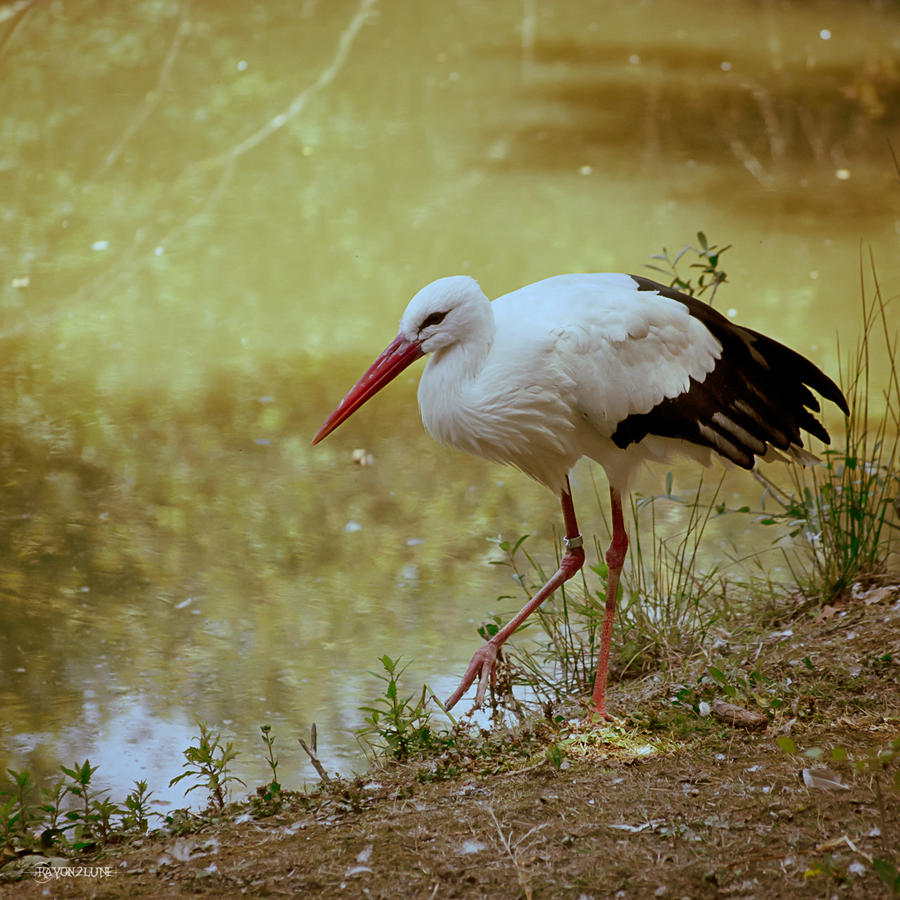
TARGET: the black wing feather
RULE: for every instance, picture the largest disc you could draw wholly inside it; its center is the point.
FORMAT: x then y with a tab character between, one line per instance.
757	394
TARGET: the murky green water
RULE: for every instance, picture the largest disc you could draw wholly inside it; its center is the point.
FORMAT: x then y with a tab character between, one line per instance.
212	216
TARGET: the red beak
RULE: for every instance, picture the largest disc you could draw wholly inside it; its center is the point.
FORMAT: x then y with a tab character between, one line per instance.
399	354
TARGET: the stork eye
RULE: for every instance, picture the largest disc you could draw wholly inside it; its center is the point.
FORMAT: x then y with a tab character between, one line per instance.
434	319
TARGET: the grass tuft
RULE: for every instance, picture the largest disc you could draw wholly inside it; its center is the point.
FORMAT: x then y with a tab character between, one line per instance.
398	727
847	510
671	602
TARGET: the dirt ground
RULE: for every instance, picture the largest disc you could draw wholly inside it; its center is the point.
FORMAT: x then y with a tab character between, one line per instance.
661	802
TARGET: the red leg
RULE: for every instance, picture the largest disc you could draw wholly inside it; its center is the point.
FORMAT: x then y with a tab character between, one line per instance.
485	658
615	557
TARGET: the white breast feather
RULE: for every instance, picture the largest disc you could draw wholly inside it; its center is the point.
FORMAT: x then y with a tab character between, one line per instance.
513	412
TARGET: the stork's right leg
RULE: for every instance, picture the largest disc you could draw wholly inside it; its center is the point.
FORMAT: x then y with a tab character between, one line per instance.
485	658
615	557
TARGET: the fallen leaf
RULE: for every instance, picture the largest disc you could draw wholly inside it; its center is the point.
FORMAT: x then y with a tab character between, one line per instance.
738	716
827	612
876	595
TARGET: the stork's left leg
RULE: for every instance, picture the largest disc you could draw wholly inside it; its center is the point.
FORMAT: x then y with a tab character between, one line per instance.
615	557
485	658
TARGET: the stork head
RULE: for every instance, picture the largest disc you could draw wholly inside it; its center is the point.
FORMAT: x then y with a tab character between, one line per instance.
443	313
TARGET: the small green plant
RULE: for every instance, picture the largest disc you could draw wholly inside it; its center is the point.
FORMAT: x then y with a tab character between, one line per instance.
747	689
53	813
269	797
136	813
9	828
208	763
710	276
825	867
403	727
86	822
80	775
271	760
555	755
102	812
889	874
17	812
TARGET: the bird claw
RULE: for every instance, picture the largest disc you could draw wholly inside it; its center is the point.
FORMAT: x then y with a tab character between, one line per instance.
483	667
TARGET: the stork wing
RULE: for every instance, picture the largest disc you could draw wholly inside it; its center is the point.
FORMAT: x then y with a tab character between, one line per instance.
757	395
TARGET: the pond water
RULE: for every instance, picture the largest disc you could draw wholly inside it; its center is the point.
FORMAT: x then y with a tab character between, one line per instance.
212	217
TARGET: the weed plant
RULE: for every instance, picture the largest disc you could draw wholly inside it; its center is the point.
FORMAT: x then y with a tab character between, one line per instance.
396	727
136	814
847	509
73	815
271	760
89	819
270	798
710	276
754	689
208	764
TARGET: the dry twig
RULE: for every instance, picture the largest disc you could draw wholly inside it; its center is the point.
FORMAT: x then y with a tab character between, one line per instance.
512	850
311	752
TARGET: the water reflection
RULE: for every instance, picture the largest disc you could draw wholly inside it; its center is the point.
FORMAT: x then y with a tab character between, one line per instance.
177	318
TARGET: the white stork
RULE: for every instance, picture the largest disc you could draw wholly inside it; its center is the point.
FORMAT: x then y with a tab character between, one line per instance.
613	367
